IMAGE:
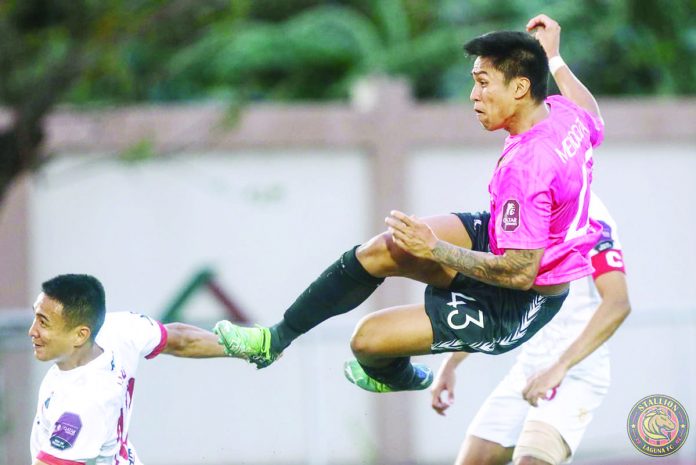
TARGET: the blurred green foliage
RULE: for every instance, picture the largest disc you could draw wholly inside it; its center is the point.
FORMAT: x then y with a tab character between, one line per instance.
236	50
97	52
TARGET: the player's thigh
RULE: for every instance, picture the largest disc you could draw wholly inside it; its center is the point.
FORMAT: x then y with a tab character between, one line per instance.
478	451
502	414
393	332
449	228
380	256
572	408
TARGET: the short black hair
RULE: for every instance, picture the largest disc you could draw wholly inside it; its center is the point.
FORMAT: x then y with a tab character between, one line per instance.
82	297
514	54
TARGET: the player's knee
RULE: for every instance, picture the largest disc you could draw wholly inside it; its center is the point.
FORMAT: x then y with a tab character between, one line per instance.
364	342
381	257
540	443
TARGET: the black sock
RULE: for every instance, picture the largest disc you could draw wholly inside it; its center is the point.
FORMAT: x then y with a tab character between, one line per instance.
398	375
340	288
282	335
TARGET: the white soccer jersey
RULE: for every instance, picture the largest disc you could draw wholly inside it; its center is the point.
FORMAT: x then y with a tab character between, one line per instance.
504	413
83	414
577	310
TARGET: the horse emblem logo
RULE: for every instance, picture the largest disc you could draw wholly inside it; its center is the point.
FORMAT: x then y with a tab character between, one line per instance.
658	425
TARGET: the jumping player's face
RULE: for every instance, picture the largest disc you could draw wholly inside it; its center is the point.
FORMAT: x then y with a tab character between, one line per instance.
49	335
494	99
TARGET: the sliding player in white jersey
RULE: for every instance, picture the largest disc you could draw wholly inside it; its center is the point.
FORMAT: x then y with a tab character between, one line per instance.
86	399
563	371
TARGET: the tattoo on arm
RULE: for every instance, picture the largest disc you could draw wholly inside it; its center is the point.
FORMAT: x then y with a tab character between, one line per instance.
516	269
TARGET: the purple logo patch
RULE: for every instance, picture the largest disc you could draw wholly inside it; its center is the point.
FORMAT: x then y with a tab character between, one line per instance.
606	241
511	215
66	430
606	231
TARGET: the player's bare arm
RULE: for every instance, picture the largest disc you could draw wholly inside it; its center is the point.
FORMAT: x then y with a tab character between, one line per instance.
613	310
515	269
192	342
548	33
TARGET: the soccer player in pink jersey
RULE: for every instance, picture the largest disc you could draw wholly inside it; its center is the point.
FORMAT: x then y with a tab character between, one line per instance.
494	279
85	400
532	416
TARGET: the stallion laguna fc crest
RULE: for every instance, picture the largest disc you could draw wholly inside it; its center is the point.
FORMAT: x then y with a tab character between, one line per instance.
658	425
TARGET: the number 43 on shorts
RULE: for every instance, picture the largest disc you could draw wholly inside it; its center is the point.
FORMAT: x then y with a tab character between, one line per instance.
454	303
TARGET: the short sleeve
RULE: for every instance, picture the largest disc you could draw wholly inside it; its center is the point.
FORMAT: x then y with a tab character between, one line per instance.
523	210
595	125
610	235
607	254
145	335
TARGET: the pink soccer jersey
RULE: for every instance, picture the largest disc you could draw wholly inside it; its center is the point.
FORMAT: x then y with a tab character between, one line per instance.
540	192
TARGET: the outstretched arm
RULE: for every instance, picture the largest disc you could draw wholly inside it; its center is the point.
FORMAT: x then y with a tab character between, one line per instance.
189	341
612	311
515	269
548	32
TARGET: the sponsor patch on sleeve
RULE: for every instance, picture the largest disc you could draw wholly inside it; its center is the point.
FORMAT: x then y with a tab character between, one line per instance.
511	215
66	430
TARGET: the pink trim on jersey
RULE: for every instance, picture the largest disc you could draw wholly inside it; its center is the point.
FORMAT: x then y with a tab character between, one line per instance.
163	342
606	261
51	460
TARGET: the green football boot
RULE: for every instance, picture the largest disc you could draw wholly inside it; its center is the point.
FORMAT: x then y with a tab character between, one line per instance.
356	375
251	344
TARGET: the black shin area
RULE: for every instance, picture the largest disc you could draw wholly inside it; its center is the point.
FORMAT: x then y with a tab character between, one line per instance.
340	288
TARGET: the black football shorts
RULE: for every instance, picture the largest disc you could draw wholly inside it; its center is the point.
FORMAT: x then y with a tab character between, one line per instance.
472	316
